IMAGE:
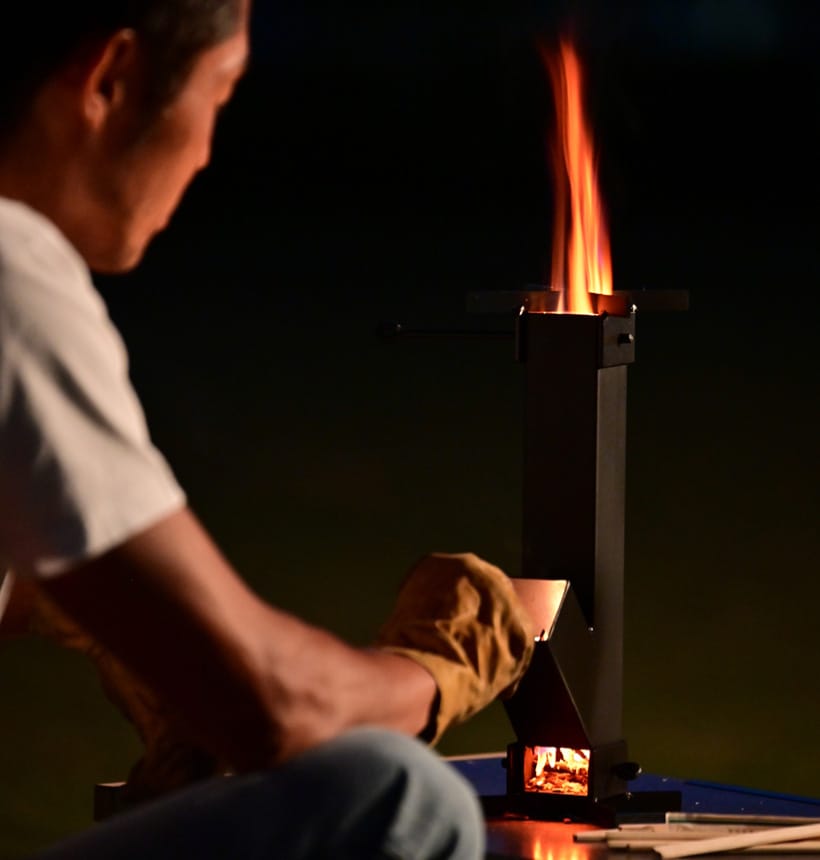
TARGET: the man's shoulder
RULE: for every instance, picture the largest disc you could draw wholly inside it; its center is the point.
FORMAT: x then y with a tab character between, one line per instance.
39	269
19	222
30	241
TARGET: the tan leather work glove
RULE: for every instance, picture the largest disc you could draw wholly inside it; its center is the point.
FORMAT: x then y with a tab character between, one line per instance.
170	760
459	617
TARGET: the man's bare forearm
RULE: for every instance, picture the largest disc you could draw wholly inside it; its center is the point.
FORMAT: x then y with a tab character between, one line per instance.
254	685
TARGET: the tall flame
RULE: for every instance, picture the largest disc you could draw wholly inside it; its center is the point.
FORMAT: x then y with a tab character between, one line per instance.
581	262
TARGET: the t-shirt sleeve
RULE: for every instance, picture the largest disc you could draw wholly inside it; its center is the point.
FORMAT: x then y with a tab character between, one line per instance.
78	471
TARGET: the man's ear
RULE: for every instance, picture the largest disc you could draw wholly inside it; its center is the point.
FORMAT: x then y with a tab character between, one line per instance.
110	75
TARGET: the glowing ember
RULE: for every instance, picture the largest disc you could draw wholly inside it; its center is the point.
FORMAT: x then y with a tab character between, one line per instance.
557	770
581	262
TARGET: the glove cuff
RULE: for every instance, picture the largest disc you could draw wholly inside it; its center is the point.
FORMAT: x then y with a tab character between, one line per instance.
455	685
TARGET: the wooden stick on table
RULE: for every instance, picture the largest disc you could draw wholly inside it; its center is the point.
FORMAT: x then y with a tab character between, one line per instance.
736	841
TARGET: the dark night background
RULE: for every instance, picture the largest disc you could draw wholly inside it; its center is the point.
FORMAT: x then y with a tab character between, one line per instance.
380	164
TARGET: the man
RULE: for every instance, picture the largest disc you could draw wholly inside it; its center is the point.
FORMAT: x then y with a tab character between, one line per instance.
107	113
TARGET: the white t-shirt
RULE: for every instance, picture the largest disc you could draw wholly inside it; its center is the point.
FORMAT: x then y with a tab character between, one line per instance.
78	471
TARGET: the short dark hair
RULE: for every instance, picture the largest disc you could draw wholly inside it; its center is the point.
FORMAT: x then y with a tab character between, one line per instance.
34	43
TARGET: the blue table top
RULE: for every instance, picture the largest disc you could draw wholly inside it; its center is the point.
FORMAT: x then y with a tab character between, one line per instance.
488	777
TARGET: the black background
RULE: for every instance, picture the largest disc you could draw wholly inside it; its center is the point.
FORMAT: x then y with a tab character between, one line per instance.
379	164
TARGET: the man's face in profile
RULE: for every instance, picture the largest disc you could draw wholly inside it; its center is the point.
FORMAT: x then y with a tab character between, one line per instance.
137	184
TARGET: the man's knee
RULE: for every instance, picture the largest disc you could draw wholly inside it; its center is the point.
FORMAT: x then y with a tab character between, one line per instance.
392	788
367	794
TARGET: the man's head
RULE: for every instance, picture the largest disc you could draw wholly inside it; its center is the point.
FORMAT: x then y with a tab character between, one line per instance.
107	110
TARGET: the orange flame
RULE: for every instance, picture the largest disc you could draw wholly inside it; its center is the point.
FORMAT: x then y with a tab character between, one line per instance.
581	262
558	770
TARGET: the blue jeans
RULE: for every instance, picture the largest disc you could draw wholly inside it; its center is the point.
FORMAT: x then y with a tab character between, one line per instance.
367	794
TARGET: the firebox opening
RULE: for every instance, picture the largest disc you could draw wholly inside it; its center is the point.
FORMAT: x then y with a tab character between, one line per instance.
556	770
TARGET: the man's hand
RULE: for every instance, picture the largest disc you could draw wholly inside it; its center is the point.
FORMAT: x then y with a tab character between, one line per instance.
460	618
251	685
247	683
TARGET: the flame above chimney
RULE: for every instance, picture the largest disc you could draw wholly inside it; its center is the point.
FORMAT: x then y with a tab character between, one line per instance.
581	261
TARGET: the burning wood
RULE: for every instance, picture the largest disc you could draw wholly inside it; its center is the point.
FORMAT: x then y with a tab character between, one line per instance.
559	770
